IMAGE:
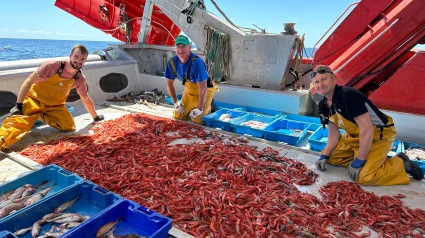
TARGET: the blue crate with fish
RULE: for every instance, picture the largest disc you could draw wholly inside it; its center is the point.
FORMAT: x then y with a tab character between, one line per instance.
260	111
6	234
319	139
314	121
223	105
123	219
78	204
169	100
222	118
416	152
251	124
38	182
291	132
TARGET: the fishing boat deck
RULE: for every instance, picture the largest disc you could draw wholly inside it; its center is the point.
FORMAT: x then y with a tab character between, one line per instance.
10	169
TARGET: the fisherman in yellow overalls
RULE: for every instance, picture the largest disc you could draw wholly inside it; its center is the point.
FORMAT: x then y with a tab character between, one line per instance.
199	89
43	96
369	135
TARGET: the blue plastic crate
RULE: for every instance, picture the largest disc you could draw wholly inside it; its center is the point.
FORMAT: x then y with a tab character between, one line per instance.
319	138
53	173
243	129
410	145
314	121
395	145
260	111
283	130
170	101
135	219
311	120
92	201
6	234
223	105
212	119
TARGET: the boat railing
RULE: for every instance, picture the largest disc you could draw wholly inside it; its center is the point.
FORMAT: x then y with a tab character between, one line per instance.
337	20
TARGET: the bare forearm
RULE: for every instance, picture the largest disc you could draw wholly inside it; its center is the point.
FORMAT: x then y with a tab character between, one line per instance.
330	146
366	137
202	99
333	138
171	90
25	88
89	105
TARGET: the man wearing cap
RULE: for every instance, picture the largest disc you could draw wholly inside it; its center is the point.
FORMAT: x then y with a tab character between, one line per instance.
368	137
198	87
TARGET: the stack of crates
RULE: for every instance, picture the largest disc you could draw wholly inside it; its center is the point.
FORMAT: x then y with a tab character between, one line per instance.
98	204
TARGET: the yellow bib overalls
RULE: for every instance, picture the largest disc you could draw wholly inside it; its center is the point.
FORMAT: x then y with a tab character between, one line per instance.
378	170
190	101
190	98
46	102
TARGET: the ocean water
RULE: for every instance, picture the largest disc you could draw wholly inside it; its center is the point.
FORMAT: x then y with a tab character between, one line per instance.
21	49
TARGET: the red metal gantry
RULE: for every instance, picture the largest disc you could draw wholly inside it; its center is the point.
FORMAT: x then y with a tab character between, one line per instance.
122	19
371	51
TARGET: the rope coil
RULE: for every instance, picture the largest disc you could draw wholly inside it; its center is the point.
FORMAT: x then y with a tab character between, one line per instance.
216	53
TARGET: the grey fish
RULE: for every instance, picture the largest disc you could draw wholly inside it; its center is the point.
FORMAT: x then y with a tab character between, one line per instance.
110	234
22	231
66	205
70	225
28	192
11	207
36	197
5	203
62	216
8	202
51	234
51	216
5	195
73	218
36	227
46	190
105	229
19	191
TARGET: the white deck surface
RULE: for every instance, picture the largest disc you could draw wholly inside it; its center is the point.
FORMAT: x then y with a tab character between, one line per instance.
9	170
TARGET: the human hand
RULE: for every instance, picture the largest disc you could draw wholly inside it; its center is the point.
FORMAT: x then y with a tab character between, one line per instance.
178	106
321	162
195	113
355	167
99	117
16	110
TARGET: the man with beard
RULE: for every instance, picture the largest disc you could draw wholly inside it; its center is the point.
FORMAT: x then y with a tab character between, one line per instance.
43	96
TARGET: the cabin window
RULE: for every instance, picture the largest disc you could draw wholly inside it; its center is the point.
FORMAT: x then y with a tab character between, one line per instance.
113	83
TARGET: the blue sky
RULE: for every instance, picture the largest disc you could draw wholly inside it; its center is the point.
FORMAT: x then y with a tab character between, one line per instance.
42	20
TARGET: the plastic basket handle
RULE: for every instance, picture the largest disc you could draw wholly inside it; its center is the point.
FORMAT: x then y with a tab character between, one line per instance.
101	190
65	172
144	210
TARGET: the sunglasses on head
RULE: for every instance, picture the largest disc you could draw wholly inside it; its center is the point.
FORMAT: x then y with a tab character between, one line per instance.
320	71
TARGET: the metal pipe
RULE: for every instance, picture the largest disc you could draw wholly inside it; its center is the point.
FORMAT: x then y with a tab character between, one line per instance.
32	63
146	21
360	51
